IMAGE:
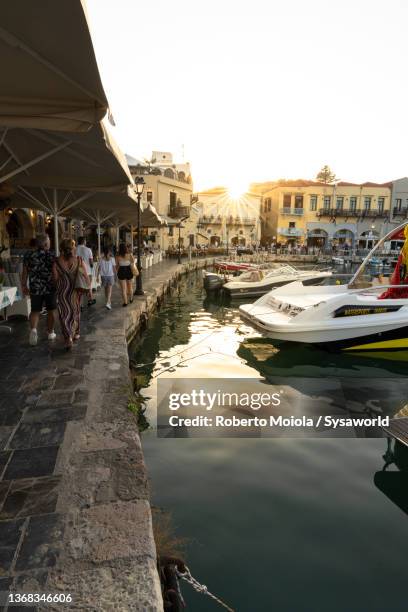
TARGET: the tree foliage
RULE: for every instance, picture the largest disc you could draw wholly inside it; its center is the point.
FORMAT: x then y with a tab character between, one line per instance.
326	175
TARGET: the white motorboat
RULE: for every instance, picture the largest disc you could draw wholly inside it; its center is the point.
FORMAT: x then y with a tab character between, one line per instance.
254	283
214	281
359	316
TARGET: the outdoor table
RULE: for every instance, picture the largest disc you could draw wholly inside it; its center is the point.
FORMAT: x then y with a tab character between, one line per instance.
7	298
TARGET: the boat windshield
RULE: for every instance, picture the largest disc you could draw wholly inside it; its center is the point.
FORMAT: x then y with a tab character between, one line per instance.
398	270
286	269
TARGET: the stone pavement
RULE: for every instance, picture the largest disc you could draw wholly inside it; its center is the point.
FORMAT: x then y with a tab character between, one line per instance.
74	500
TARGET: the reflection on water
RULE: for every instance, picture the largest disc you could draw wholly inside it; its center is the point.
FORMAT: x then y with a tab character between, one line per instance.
288	524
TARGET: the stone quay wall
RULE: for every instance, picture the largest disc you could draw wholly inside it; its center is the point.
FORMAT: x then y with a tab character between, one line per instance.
108	557
75	515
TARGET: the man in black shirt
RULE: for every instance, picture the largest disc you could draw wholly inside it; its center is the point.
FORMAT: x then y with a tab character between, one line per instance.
38	271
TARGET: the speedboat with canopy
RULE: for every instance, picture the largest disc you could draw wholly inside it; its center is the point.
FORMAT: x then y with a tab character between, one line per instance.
361	315
258	282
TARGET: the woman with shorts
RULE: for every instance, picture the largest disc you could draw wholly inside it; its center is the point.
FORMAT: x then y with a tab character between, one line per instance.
107	270
125	265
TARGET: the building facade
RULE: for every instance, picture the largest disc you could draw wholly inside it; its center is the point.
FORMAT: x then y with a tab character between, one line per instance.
399	199
168	187
19	226
224	220
319	215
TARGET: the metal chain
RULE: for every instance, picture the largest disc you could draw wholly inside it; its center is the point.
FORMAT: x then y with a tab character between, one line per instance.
200	588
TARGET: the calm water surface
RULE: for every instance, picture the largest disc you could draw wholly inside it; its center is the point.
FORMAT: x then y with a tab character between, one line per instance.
286	525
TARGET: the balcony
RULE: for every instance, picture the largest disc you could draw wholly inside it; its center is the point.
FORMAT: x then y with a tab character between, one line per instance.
400	212
291	211
177	212
290	231
210	220
240	221
351	212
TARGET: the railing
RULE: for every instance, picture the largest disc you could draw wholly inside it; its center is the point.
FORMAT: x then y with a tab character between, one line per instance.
240	221
291	211
400	211
352	212
290	231
210	220
176	212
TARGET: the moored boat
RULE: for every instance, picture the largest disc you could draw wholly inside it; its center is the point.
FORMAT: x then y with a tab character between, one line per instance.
255	283
234	266
358	316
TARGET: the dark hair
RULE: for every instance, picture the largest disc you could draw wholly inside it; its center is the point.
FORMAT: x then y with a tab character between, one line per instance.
81	240
123	250
106	250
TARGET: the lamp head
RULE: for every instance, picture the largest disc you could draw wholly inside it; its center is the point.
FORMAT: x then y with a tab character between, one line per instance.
139	184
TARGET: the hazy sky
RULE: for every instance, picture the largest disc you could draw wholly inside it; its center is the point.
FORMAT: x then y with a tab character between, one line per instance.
259	89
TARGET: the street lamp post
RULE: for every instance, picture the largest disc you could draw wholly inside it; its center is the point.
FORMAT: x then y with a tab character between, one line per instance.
179	239
139	183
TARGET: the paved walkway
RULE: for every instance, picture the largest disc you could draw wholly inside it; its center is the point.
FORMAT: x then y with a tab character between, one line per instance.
68	446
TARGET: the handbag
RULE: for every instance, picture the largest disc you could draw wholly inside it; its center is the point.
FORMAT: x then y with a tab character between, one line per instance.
133	267
81	279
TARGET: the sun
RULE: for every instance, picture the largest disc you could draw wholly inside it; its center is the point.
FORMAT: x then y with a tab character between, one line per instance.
237	189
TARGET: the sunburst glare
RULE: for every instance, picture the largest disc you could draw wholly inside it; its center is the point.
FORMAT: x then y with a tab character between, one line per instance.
237	189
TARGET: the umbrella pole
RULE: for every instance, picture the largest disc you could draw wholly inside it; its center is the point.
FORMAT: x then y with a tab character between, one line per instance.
98	230
56	242
131	238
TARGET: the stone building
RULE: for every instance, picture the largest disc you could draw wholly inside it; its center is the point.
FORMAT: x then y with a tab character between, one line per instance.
169	189
227	220
316	214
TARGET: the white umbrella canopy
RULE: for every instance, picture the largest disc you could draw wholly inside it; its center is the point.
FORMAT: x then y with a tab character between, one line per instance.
89	161
49	74
119	207
98	208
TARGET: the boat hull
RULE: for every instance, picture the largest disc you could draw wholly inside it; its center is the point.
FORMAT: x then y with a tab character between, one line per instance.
257	289
378	337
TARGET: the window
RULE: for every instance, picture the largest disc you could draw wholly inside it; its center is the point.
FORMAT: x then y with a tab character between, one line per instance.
367	203
298	201
313	202
339	203
398	203
173	198
267	205
326	201
149	196
381	204
292	224
171	228
287	200
353	203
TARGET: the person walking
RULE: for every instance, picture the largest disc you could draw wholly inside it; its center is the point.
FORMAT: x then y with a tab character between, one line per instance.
85	253
107	270
37	273
126	270
71	278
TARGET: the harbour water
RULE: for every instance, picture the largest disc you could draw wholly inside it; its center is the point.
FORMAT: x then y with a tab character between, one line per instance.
292	525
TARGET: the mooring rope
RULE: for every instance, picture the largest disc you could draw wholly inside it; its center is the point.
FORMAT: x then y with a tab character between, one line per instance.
200	588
